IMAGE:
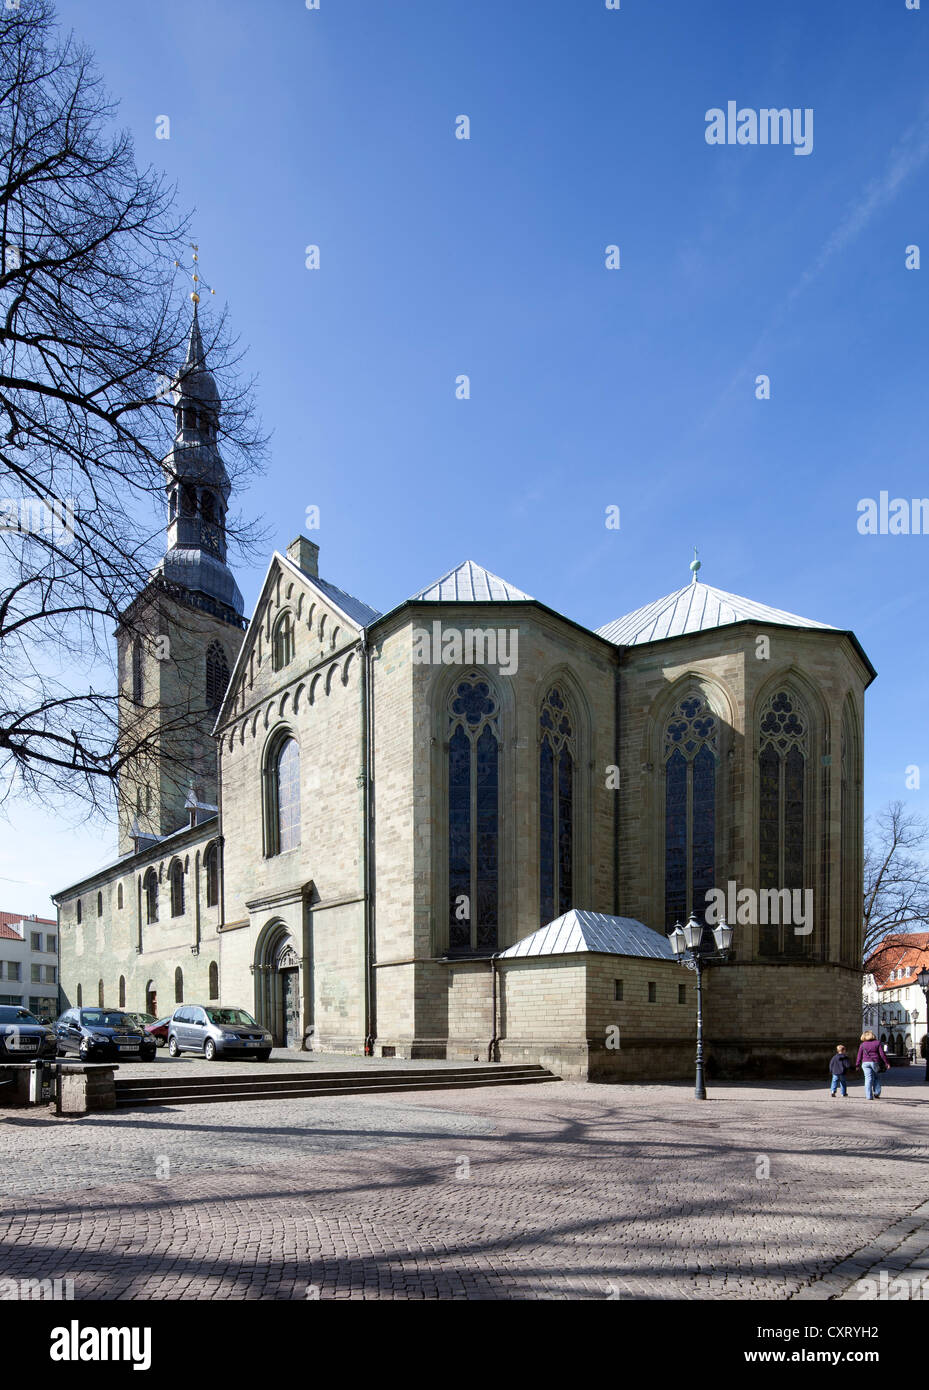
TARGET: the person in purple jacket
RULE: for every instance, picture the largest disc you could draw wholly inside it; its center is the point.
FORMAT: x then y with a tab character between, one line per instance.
870	1056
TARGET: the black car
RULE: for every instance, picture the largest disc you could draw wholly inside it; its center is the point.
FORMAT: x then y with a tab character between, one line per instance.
102	1035
22	1036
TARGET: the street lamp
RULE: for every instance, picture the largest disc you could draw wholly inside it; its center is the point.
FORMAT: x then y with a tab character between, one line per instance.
922	979
695	948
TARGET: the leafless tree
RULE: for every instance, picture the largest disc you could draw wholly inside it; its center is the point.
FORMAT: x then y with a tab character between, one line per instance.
92	327
896	876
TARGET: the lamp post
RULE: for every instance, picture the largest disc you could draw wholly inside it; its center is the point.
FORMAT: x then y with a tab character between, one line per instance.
922	979
695	947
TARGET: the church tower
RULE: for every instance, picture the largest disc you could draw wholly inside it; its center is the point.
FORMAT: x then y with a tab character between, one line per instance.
179	639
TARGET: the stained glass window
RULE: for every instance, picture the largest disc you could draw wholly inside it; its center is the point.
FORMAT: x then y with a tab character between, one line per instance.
782	767
691	752
556	806
211	872
473	815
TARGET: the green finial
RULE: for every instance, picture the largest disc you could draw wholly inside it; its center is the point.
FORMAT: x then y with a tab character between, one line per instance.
695	564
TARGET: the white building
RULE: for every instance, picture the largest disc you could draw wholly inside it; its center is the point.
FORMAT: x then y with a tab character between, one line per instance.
29	963
893	1005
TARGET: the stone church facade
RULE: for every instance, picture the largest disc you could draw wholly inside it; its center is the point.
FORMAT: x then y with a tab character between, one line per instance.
463	828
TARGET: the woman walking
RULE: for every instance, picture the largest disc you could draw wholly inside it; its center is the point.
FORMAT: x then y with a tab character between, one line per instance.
872	1060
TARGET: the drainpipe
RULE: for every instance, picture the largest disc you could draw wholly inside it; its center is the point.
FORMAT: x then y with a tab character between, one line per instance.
617	793
494	1039
366	847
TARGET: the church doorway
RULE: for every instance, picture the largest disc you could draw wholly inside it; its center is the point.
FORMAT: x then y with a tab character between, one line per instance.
279	986
151	999
290	1007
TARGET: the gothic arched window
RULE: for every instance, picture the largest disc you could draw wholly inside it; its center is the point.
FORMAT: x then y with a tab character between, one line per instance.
473	814
691	755
99	904
80	996
100	993
214	980
177	888
217	675
178	986
783	743
122	991
119	895
282	796
150	889
282	642
80	911
556	806
138	689
211	874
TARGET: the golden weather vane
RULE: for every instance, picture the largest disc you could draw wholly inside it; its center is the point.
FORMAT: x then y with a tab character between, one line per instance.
195	273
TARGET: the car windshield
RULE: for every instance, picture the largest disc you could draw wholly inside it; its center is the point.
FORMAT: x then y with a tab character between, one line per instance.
227	1016
9	1013
105	1018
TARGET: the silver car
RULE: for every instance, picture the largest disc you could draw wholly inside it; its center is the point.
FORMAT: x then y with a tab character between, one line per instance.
216	1032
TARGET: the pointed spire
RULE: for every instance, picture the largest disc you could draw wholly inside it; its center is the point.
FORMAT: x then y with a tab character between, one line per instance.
196	358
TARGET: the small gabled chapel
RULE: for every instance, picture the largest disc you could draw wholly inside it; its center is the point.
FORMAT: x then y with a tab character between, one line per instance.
464	827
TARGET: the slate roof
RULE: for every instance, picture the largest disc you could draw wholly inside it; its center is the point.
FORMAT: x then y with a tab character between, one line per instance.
695	608
359	612
578	931
470	583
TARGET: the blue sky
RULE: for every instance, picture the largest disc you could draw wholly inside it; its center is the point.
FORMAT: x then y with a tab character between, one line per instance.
589	387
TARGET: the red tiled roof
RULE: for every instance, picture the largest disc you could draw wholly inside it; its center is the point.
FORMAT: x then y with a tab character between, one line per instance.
899	951
7	919
8	934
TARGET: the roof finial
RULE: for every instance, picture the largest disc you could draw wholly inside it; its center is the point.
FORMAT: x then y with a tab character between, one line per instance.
695	565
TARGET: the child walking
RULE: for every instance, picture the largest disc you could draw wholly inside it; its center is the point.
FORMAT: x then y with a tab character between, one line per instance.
839	1066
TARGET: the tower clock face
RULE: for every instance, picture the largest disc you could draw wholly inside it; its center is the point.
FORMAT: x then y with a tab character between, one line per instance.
210	538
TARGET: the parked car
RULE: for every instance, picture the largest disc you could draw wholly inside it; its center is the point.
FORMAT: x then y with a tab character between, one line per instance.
158	1030
102	1035
140	1020
217	1032
22	1036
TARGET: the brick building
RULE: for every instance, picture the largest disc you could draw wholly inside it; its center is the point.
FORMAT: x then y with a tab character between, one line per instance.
388	803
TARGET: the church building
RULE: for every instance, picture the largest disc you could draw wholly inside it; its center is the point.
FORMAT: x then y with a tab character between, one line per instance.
463	828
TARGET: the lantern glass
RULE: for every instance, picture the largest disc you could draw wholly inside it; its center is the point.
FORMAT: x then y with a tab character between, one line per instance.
677	939
722	935
693	933
922	979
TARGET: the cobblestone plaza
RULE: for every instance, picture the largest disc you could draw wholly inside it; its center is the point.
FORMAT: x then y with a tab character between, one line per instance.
569	1191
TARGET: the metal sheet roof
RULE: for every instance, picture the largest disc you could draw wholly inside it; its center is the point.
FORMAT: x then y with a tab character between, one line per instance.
578	931
470	583
695	608
359	612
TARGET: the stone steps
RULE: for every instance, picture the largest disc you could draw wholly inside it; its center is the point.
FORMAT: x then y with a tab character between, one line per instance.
213	1088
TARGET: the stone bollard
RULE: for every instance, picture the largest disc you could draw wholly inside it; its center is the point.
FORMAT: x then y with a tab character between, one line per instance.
87	1089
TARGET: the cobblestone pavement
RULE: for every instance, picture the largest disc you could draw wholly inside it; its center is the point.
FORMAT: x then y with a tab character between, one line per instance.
556	1191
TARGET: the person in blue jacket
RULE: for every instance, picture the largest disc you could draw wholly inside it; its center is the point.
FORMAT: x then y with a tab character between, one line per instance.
838	1067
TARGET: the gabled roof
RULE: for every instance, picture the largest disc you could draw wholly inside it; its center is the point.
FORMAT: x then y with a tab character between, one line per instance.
351	609
470	583
579	931
696	608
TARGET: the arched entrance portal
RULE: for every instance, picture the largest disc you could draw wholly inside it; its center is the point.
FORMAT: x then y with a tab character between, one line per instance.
278	986
151	998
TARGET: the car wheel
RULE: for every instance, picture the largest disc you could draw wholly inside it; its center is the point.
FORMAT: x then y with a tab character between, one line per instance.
209	1050
263	1056
173	1048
